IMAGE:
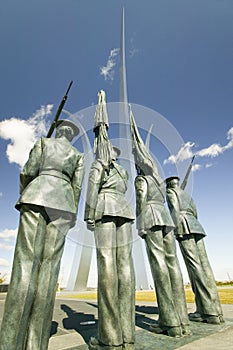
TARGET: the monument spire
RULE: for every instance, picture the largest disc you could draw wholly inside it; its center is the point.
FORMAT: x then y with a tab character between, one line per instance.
123	96
142	269
83	255
123	84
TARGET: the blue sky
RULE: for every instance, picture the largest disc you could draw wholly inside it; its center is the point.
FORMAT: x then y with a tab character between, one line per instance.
179	64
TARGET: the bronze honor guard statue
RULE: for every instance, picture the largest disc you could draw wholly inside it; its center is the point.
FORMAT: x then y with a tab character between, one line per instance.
109	215
50	186
189	233
155	226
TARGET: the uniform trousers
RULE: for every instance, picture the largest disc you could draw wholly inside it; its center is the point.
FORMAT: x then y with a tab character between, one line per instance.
168	281
116	281
200	273
30	299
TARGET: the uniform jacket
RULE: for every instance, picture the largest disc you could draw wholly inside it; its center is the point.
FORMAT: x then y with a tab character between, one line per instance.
184	213
106	192
52	176
150	209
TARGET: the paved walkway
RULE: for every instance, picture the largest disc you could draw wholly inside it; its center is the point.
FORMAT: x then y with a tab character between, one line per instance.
75	321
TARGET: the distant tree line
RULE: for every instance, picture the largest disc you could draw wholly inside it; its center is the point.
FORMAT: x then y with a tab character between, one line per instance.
225	283
218	283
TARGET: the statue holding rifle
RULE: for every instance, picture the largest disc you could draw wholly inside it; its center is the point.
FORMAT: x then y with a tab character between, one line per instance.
155	226
108	213
189	233
50	186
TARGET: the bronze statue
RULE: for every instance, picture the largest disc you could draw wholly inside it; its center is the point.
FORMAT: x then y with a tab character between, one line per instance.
155	226
189	233
108	213
50	186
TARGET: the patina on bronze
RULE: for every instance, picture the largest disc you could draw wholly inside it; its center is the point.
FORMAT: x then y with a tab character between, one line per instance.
155	226
108	213
190	235
50	186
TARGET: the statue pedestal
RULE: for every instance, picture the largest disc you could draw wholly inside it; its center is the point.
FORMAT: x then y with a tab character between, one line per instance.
204	336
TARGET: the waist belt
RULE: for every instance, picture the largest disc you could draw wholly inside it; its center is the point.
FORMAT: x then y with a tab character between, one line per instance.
55	173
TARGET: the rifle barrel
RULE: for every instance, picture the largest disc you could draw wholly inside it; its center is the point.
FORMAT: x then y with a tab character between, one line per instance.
184	183
54	122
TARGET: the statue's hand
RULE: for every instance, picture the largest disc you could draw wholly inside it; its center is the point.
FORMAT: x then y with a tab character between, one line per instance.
142	233
91	225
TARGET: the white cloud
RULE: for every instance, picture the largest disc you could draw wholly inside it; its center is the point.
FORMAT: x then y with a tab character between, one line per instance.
230	138
108	71
212	151
216	149
23	134
6	246
8	233
4	262
208	165
132	50
230	134
228	146
184	153
196	167
1	194
43	111
38	119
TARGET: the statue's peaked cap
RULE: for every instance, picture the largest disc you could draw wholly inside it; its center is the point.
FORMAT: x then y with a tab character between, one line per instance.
66	122
169	179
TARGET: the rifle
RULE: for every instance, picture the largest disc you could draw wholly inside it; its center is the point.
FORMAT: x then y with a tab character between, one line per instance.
184	183
54	123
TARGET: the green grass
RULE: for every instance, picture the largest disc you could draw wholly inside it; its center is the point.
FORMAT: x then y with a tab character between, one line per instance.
225	295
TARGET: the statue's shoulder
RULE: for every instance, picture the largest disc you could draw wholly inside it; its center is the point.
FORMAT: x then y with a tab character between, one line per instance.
97	165
121	170
46	142
171	191
38	145
119	167
79	153
140	178
180	192
47	139
176	194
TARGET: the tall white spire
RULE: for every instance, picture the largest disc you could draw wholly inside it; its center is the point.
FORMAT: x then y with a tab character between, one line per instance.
82	263
123	84
123	96
142	269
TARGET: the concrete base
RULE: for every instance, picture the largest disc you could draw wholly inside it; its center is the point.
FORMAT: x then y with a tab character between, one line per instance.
75	321
67	341
83	319
203	336
222	340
